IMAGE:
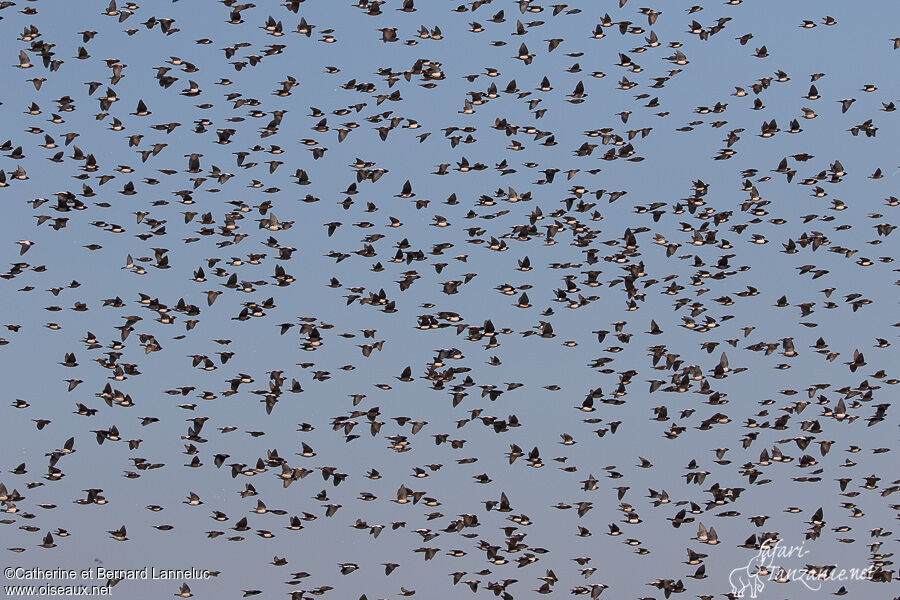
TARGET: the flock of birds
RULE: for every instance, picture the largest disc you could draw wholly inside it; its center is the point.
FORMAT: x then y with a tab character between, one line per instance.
469	379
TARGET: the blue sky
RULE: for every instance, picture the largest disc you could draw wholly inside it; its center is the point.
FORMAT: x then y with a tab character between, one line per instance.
677	152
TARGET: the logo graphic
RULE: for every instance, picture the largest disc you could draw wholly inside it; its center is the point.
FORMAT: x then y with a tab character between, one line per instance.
744	578
749	580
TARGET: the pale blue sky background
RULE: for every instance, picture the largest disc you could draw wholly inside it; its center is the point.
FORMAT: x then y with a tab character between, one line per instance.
855	52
